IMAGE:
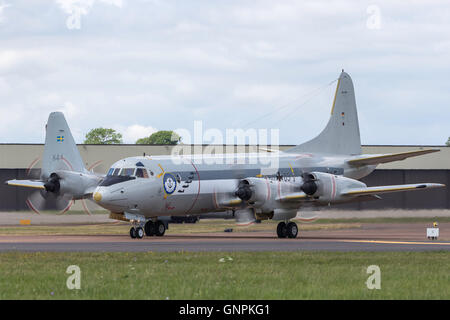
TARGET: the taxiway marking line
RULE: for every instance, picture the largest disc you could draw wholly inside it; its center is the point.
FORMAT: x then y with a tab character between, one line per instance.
396	242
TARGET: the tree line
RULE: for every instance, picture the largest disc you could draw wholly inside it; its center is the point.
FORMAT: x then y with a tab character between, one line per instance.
110	136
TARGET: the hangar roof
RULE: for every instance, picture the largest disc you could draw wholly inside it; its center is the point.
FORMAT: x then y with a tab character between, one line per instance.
16	156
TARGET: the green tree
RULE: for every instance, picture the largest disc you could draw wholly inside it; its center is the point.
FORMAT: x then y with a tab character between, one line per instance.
161	137
448	142
103	136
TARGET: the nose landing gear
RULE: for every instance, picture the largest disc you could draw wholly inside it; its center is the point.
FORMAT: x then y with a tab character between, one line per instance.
133	233
136	232
139	233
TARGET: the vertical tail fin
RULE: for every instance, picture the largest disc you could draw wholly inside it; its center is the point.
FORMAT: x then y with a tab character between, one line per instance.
60	150
341	135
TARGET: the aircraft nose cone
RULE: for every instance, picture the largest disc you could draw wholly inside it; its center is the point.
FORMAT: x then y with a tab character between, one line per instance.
97	196
110	199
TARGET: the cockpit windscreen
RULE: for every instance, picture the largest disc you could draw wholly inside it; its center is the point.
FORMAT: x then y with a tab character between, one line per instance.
128	172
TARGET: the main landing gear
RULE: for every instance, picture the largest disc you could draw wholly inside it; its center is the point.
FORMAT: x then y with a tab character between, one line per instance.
150	229
289	230
157	228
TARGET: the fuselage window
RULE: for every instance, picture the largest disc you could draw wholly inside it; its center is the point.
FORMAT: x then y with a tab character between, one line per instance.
110	172
127	172
141	173
116	172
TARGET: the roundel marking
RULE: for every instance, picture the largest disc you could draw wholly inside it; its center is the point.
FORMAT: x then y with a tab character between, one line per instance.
169	183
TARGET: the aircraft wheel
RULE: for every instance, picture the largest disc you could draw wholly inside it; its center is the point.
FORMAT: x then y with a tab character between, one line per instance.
139	233
160	228
149	228
292	230
281	230
133	233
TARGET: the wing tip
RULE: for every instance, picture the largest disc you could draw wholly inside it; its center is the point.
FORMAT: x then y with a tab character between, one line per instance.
426	151
435	185
18	183
385	158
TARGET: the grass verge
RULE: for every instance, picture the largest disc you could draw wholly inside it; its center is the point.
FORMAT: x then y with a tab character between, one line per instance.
203	226
241	275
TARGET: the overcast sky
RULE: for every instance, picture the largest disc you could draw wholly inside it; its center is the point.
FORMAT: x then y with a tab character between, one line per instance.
138	66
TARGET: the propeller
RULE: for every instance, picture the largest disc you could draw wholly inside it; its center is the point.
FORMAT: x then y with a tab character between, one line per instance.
44	200
307	216
52	185
244	192
309	185
50	198
245	217
89	204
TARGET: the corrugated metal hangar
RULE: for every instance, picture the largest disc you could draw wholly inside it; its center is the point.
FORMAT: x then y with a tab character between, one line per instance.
22	161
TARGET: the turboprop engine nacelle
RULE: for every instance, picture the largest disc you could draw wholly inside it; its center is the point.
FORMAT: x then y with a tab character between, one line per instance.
69	182
254	191
325	187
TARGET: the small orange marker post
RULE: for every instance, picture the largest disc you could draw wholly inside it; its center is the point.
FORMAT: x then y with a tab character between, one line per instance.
25	222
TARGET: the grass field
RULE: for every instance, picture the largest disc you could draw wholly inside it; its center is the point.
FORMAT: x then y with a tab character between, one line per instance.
265	275
203	226
206	226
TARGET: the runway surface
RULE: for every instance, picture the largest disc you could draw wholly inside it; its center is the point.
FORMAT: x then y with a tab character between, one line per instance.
370	237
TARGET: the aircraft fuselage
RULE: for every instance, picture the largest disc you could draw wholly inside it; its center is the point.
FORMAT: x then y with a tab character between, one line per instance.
182	185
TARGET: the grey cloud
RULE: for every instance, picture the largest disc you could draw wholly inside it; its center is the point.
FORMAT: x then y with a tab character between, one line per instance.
164	64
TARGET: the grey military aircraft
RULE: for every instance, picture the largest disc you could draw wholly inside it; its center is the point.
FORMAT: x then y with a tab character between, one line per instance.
146	190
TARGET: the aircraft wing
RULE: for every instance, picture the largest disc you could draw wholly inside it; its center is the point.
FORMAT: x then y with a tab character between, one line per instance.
26	183
294	197
384	158
389	189
268	149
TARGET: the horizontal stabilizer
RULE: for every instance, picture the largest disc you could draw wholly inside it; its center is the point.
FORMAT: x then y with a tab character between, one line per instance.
26	183
389	189
384	158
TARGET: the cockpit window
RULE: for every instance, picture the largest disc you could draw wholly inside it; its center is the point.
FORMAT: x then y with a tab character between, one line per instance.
127	172
124	172
141	173
109	181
